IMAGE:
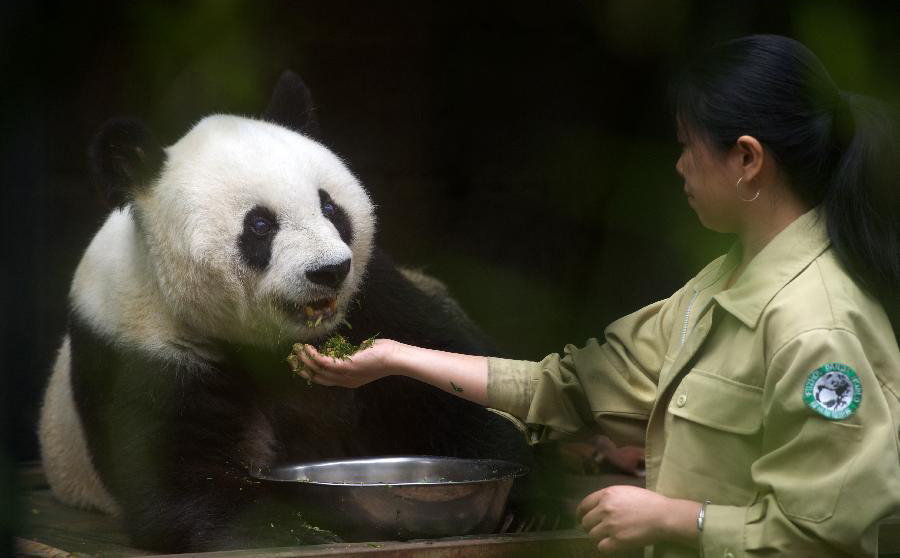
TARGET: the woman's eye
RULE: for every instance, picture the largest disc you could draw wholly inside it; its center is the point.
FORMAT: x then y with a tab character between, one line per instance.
261	226
327	209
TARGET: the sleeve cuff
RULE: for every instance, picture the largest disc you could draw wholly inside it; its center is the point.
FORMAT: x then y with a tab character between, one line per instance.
510	386
723	532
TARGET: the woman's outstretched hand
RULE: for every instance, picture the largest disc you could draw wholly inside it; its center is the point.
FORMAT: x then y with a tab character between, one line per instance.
458	374
367	365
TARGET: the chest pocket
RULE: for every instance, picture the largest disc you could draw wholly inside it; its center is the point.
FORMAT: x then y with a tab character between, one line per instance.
718	403
713	435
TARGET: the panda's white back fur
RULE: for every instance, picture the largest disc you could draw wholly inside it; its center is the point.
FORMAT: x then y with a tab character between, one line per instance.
67	462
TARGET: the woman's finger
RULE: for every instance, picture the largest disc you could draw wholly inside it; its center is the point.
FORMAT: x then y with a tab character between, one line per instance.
326	362
323	377
608	546
587	504
599	532
326	376
307	360
313	355
592	518
308	356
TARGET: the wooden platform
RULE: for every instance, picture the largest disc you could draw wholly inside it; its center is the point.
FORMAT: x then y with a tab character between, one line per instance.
53	530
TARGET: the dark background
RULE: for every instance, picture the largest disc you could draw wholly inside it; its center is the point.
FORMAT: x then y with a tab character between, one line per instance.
521	152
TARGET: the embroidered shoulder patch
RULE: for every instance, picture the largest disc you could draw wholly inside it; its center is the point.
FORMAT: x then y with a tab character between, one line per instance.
833	390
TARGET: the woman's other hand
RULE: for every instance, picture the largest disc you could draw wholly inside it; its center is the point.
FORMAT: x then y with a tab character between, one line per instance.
629	459
623	517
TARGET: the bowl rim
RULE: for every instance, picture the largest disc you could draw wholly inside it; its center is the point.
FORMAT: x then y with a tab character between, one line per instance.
513	470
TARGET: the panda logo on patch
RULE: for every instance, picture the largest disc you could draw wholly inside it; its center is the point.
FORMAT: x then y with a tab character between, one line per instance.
833	390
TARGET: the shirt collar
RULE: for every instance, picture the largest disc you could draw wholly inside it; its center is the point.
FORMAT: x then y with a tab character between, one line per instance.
782	259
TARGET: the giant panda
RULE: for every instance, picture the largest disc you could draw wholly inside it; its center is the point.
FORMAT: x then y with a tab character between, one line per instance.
170	381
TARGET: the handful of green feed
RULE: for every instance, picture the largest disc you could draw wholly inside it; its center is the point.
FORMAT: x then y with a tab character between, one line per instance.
336	346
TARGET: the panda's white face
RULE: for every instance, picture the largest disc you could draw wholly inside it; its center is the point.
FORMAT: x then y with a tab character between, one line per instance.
256	233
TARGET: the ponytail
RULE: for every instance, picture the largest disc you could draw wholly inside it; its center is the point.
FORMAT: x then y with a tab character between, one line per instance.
862	202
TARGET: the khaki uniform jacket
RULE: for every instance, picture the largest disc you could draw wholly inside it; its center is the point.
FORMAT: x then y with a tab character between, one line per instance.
712	381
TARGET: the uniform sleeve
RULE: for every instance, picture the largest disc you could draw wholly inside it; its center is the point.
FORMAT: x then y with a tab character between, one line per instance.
613	383
822	484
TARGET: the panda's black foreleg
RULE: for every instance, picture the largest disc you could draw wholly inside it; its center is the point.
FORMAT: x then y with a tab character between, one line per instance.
172	443
219	520
184	485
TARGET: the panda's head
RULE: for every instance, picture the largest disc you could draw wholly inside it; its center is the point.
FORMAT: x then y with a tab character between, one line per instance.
254	232
835	381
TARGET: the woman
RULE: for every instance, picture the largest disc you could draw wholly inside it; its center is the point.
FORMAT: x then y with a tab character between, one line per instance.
766	389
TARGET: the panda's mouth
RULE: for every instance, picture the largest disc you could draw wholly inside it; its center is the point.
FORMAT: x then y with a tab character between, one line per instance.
322	308
312	313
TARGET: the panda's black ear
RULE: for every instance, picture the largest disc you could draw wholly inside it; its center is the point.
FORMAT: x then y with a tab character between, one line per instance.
291	105
125	158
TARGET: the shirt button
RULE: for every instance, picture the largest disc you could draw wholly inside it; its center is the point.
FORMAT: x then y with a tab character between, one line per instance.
682	399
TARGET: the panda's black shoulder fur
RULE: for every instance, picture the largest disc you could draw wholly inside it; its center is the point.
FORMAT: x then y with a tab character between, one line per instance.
390	305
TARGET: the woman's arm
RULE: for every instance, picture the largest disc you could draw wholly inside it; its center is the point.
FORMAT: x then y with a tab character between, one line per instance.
609	382
461	375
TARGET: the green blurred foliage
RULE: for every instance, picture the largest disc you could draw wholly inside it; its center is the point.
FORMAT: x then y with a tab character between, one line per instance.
212	49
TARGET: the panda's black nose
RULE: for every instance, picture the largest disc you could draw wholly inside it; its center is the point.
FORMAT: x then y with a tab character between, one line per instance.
331	275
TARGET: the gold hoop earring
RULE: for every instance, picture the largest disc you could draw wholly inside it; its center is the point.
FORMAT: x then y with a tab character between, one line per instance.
737	188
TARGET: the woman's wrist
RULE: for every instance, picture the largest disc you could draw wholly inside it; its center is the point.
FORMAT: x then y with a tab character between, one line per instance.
402	359
679	521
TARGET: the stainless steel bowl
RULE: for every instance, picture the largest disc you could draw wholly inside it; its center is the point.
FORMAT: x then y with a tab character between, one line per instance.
390	498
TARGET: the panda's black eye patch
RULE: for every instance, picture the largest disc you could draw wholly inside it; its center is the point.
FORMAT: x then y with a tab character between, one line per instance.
338	217
255	242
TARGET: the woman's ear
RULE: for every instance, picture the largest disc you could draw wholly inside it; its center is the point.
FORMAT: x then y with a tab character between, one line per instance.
750	155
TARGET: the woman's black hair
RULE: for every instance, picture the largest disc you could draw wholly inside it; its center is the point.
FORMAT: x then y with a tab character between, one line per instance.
837	149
